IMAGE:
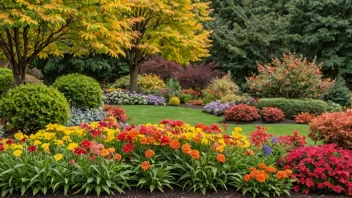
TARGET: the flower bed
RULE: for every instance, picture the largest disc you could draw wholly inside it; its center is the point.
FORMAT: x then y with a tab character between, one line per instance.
124	97
104	157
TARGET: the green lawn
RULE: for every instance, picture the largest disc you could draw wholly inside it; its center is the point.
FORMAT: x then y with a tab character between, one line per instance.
141	114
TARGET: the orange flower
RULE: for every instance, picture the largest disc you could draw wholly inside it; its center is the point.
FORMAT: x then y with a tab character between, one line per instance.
288	171
281	174
196	139
247	178
260	177
117	157
143	140
133	134
221	158
175	144
262	165
149	153
104	152
111	150
252	169
145	165
250	152
195	154
151	140
186	148
270	169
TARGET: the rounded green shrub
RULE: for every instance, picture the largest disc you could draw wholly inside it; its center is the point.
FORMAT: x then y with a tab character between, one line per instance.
80	91
174	101
124	82
31	107
6	80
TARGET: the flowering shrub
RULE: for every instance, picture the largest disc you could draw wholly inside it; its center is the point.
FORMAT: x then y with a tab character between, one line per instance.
332	128
151	82
304	118
260	136
242	112
119	97
197	102
174	101
195	94
155	100
257	180
290	78
116	112
292	141
77	116
216	107
272	114
323	168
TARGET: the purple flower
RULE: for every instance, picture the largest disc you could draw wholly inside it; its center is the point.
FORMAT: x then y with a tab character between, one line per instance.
267	150
155	100
274	140
217	108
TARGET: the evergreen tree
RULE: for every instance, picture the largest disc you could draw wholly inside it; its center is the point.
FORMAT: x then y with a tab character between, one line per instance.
246	31
338	93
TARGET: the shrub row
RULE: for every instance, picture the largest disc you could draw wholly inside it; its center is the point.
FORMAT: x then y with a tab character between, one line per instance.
246	113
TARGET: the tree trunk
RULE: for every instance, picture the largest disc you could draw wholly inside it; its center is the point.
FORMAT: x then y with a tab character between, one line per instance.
134	70
19	73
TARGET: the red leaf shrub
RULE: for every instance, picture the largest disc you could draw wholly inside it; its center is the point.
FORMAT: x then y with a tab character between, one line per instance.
320	168
292	141
272	114
304	118
164	68
242	112
332	128
198	76
117	112
197	102
260	136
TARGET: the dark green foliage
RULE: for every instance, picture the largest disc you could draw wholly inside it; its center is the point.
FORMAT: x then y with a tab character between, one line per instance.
31	107
245	31
324	29
338	93
6	80
80	91
100	67
292	107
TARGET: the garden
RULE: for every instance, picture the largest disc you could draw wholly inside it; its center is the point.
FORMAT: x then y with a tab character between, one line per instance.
128	98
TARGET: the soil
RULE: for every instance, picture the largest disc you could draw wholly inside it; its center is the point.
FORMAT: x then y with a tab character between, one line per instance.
286	121
178	193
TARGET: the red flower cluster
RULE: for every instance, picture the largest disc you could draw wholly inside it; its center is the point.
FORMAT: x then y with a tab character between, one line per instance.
320	168
117	112
85	143
292	141
32	148
242	112
95	132
260	136
212	128
79	151
304	118
272	114
190	92
332	128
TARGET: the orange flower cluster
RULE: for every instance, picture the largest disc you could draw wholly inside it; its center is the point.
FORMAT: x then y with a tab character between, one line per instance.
187	148
149	153
221	158
145	165
263	173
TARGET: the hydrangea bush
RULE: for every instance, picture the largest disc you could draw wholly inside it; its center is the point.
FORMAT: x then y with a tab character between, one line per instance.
155	100
119	97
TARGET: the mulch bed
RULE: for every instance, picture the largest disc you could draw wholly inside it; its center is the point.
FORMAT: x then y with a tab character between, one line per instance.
178	193
286	121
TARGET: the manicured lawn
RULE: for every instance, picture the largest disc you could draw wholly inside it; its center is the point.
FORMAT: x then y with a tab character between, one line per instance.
141	114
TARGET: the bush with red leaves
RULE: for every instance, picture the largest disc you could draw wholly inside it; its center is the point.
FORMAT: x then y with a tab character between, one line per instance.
272	114
332	128
197	102
117	112
242	112
198	76
164	68
292	141
324	168
304	118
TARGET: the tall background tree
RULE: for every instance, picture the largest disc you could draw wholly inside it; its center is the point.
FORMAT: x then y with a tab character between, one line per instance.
31	28
246	31
323	29
170	28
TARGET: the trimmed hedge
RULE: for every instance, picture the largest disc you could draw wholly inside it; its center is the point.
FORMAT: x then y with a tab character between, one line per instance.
80	91
292	107
31	107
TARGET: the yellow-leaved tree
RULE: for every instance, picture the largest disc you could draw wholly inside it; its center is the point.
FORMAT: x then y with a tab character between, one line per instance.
31	28
171	28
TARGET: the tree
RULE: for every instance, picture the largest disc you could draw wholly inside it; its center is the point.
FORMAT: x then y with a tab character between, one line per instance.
338	93
170	28
323	29
31	28
246	31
